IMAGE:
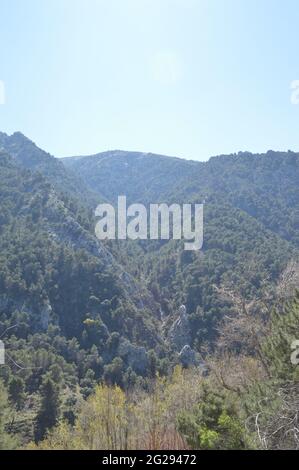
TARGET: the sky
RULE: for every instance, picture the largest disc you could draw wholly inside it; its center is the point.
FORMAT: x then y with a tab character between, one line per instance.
186	78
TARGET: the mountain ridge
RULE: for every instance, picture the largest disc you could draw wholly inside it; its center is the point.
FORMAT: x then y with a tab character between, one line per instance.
250	206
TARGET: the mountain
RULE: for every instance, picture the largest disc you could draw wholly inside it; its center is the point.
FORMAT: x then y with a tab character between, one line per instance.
82	311
65	301
28	155
251	222
139	176
265	185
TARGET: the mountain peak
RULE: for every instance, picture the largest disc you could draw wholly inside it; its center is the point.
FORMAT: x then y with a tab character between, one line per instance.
15	138
19	134
20	138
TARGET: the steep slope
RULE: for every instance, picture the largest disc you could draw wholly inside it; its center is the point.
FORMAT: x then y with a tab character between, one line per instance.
250	225
265	186
28	155
140	176
57	283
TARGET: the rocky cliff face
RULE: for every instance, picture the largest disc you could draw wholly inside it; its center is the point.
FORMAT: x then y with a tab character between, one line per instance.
179	337
179	332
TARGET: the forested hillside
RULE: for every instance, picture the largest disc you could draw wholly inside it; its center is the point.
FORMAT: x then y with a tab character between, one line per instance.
251	223
66	304
187	341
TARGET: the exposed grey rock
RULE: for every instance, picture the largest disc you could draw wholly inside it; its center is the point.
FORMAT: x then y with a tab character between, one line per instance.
182	310
45	315
179	332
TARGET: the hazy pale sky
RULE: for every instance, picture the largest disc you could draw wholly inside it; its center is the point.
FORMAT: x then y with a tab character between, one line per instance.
190	78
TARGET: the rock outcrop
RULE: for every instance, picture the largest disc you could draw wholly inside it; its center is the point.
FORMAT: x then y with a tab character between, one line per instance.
179	332
179	337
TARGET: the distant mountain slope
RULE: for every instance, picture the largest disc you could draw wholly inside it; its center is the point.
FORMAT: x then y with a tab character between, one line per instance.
139	176
265	186
251	224
29	156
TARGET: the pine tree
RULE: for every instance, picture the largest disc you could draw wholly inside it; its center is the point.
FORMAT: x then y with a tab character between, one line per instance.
17	391
272	405
214	423
49	410
277	348
6	441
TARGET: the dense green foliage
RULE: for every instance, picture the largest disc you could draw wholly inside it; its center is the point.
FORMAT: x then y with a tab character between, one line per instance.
6	440
256	406
250	224
63	307
48	414
75	312
213	424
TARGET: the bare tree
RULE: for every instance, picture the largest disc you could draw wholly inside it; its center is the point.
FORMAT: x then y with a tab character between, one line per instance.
236	373
277	427
242	331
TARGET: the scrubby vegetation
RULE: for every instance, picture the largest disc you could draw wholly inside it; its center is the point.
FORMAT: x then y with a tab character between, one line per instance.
244	402
93	350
